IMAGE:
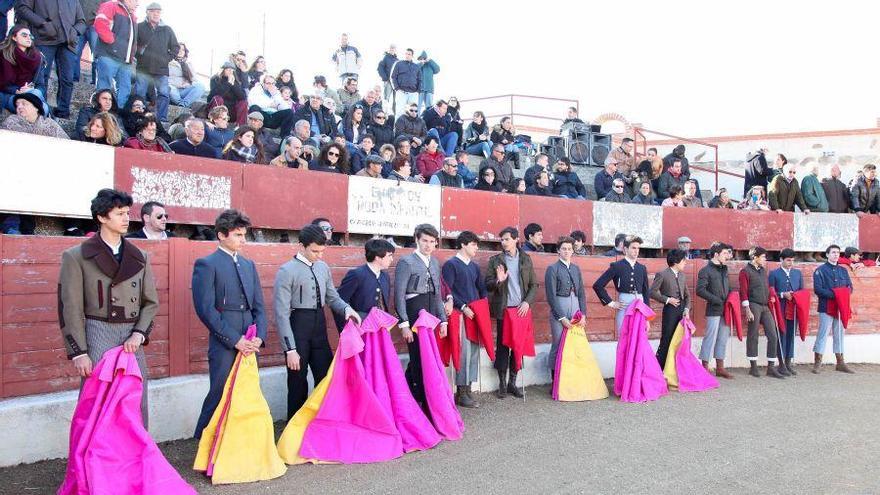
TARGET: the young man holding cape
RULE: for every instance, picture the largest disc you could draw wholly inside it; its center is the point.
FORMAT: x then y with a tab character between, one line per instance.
787	280
832	285
630	279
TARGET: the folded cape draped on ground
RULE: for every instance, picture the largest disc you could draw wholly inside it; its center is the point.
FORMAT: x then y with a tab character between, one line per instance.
238	445
576	376
110	451
683	369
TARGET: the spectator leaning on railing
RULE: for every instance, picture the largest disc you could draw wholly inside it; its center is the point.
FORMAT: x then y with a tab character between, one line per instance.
488	180
448	175
755	199
645	195
675	197
692	197
541	187
865	191
372	168
291	155
836	192
811	189
785	193
721	200
19	65
156	47
618	192
244	147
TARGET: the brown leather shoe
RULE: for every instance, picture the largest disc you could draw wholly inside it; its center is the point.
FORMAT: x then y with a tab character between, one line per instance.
817	363
720	371
841	364
706	365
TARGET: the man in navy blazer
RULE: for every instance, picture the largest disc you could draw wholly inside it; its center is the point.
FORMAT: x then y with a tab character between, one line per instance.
786	280
228	298
368	286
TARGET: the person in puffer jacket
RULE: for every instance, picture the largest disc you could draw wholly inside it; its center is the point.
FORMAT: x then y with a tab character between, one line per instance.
116	25
406	78
348	60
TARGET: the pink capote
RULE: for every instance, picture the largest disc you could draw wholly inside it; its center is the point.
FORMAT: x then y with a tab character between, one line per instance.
385	377
637	376
438	394
110	451
692	377
351	426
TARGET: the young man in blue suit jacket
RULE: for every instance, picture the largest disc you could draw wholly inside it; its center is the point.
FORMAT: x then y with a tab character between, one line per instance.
786	280
368	286
228	298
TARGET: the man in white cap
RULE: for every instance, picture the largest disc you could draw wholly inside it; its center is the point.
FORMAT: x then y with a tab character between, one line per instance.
684	243
156	48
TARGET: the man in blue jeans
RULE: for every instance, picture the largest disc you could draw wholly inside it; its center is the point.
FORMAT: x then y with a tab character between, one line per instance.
438	123
116	26
56	26
90	36
157	46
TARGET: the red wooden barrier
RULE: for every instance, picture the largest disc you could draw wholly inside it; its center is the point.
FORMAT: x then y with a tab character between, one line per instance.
869	233
556	216
285	198
483	213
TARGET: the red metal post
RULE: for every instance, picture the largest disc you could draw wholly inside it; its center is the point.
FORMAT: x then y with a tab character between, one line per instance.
178	306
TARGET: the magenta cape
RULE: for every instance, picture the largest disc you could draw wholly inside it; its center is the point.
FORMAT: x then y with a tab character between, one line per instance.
438	393
637	376
351	426
385	377
692	377
110	451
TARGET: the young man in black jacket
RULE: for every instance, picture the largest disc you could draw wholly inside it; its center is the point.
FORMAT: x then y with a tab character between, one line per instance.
713	285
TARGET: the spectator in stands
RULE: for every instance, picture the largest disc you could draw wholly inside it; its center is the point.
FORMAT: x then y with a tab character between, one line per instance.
757	171
721	200
684	244
256	71
651	168
541	187
155	221
617	193
469	178
402	172
133	111
618	249
56	27
265	99
692	198
476	136
865	191
580	243
194	143
572	116
756	199
387	152
504	133
517	186
603	180
348	96
5	7
287	101
427	69
852	258
321	88
406	81
623	156
240	66
322	124
534	234
836	192
488	180
302	130
645	196
503	169
116	25
675	197
327	228
291	155
785	193
146	137
347	59
411	125
90	36
353	127
372	167
778	166
31	116
448	175
404	148
439	123
566	182
542	164
217	130
19	63
382	132
184	89
101	101
430	160
389	58
226	90
285	79
156	47
672	177
244	147
456	122
361	153
333	158
678	155
103	129
372	104
255	122
811	189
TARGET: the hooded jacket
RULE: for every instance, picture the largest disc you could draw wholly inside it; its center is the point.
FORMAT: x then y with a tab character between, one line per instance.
411	126
427	69
678	154
757	172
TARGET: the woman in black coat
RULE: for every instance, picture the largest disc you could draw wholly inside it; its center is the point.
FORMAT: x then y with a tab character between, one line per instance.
487	181
226	90
457	124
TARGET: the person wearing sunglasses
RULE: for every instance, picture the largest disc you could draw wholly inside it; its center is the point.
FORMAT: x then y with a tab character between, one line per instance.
155	222
784	191
382	131
333	158
617	194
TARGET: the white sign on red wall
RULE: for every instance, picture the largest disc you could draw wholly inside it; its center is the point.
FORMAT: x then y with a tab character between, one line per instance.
389	207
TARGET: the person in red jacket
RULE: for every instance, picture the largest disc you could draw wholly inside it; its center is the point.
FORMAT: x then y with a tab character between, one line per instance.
146	138
116	25
430	160
852	258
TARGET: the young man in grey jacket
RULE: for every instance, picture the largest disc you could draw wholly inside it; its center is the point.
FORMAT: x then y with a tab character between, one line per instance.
303	286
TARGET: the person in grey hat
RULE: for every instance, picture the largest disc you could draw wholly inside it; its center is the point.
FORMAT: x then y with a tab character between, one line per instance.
156	48
684	243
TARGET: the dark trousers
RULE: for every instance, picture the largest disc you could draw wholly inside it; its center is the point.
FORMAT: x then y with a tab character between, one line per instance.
310	335
671	316
281	120
503	356
414	367
64	59
787	349
763	317
220	361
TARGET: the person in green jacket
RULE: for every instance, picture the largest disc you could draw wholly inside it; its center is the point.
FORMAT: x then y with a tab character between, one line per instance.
811	189
426	85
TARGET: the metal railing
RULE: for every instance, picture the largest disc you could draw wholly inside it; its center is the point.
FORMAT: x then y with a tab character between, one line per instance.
517	100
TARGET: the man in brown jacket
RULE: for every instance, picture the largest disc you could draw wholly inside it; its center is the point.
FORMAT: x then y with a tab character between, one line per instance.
670	289
784	191
106	293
